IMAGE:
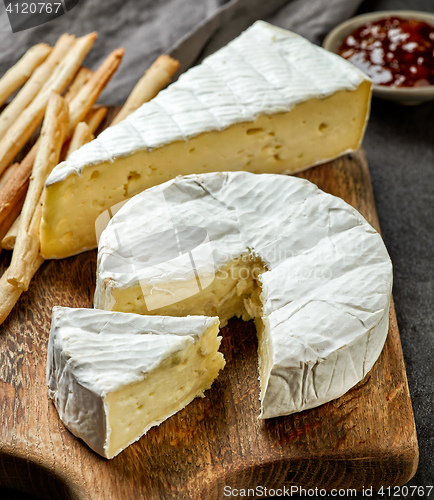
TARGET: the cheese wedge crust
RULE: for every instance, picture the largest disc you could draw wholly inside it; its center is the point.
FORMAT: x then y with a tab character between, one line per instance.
268	102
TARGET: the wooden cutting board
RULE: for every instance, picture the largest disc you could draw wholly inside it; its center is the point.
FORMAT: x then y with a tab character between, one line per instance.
367	437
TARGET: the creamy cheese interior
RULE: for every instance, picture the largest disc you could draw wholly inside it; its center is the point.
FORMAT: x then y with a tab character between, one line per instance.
235	291
225	297
134	408
311	132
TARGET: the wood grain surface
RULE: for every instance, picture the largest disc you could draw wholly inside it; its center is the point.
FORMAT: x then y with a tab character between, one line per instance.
365	438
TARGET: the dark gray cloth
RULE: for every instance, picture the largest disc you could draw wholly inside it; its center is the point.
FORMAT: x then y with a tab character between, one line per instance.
399	141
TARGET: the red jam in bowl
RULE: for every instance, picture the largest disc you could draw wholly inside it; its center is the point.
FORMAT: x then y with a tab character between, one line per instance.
393	51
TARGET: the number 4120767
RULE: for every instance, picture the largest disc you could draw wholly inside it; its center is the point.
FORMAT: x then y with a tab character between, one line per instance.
405	491
33	8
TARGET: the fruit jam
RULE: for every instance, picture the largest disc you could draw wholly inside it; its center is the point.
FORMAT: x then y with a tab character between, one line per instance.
393	51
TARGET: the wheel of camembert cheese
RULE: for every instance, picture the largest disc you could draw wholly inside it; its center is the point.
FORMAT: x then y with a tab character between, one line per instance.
306	266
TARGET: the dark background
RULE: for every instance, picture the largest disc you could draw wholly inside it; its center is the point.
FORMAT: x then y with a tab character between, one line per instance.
399	145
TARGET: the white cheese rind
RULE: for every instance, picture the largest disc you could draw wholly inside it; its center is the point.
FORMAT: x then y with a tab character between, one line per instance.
325	289
94	353
266	70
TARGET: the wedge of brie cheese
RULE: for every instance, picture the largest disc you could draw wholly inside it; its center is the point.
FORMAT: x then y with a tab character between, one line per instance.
314	275
268	102
112	376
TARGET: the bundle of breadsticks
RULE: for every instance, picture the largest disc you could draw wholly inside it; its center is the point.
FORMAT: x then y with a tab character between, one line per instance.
58	91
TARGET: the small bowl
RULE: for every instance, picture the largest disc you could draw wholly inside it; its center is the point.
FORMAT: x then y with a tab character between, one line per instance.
401	95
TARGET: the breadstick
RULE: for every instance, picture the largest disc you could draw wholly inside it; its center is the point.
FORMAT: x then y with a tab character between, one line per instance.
7	174
80	79
81	135
9	294
95	116
21	130
47	155
11	192
35	83
22	70
80	105
8	241
27	242
14	210
84	100
155	79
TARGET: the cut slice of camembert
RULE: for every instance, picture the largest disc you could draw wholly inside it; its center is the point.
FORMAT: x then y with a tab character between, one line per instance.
112	376
310	270
268	102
